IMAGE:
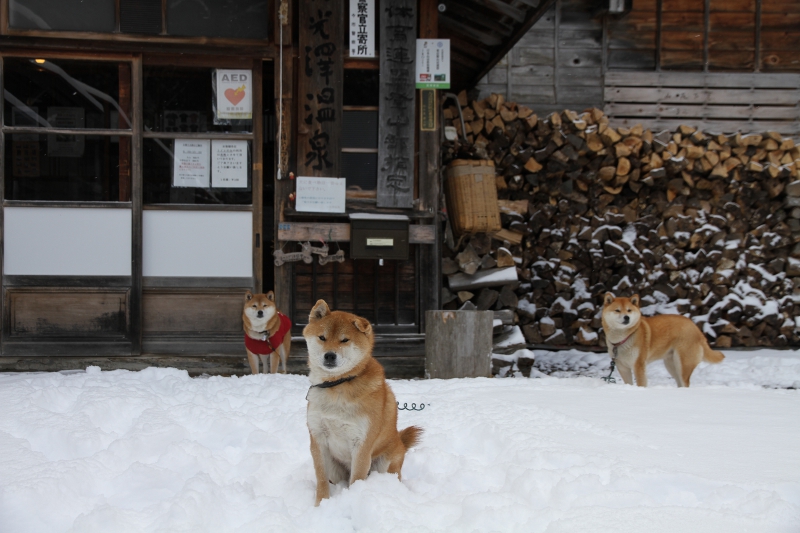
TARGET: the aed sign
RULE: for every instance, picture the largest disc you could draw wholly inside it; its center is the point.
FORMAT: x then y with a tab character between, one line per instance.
234	94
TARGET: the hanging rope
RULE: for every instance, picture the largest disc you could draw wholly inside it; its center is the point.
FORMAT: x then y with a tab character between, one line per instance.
282	16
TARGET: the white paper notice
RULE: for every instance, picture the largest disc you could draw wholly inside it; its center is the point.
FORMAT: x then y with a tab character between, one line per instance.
191	163
234	94
362	28
321	195
63	144
229	164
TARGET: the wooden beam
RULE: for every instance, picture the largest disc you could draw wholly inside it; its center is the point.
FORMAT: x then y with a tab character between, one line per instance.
257	173
505	9
340	232
137	201
3	17
490	23
532	17
485	37
285	146
429	262
3	321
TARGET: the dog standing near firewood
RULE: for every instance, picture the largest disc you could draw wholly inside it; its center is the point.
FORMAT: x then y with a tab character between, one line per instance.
634	341
352	412
266	332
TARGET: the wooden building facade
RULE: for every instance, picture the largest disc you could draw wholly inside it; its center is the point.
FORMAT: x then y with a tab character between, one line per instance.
721	65
137	208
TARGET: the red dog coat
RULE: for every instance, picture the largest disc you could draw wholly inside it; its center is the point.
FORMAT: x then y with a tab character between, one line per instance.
269	345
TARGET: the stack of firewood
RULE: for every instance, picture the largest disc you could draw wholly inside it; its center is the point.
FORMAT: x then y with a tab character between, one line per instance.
697	223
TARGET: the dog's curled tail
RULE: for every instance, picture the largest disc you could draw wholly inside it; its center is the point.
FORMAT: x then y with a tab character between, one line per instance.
712	356
410	436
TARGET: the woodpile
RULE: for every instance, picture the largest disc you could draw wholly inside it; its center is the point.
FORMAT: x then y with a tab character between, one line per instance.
697	223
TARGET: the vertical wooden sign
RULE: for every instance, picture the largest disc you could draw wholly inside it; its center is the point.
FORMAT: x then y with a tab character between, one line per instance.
320	87
396	117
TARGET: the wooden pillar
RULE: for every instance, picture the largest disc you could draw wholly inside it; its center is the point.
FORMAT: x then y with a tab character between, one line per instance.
258	176
124	174
137	197
284	146
3	333
430	264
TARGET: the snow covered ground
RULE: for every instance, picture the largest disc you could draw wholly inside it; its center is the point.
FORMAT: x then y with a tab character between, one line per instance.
156	450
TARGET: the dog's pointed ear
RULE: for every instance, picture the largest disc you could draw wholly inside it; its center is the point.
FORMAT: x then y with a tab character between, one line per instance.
608	299
271	296
635	300
248	296
320	310
363	325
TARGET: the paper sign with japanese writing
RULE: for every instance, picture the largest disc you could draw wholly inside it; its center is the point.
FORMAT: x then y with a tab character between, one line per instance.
234	94
64	144
190	163
229	164
362	28
433	64
321	195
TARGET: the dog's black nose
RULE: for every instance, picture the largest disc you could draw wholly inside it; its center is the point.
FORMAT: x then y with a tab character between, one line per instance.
260	314
626	319
330	359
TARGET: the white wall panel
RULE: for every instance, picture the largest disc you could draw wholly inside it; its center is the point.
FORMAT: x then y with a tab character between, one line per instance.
67	241
197	243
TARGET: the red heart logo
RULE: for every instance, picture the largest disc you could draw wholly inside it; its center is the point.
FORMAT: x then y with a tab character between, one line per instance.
234	96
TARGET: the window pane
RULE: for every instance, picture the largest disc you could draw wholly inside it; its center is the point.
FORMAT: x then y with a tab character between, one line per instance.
238	19
360	169
180	100
159	182
65	15
67	94
360	129
66	167
361	87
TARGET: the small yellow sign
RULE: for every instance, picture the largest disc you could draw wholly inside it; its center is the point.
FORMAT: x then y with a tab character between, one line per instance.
427	110
380	242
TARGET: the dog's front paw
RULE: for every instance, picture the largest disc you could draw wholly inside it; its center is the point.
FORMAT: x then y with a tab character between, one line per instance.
322	494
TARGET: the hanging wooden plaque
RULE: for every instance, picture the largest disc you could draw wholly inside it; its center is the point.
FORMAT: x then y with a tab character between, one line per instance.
320	87
396	116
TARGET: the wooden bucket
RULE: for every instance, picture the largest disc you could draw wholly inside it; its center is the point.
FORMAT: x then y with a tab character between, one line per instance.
472	197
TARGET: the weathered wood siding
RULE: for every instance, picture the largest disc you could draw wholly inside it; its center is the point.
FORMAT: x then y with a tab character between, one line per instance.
722	65
713	101
556	65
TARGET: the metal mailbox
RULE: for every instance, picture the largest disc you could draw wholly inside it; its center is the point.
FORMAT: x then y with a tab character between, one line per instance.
379	236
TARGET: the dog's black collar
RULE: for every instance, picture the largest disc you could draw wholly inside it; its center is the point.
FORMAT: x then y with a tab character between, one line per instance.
329	384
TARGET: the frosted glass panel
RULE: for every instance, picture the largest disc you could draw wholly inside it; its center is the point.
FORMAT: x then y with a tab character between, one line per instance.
197	243
67	241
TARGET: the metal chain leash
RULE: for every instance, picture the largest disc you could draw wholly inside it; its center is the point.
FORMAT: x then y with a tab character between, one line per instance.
608	378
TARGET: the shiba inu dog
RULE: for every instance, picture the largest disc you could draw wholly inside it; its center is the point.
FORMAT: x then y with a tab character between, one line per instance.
352	413
266	332
634	341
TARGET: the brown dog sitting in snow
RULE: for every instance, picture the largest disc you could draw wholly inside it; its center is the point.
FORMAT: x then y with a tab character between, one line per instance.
352	412
634	341
266	332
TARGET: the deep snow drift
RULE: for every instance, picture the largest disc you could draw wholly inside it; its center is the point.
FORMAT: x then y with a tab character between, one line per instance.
158	451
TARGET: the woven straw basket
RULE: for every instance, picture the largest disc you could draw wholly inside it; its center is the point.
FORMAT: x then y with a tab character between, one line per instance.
472	197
